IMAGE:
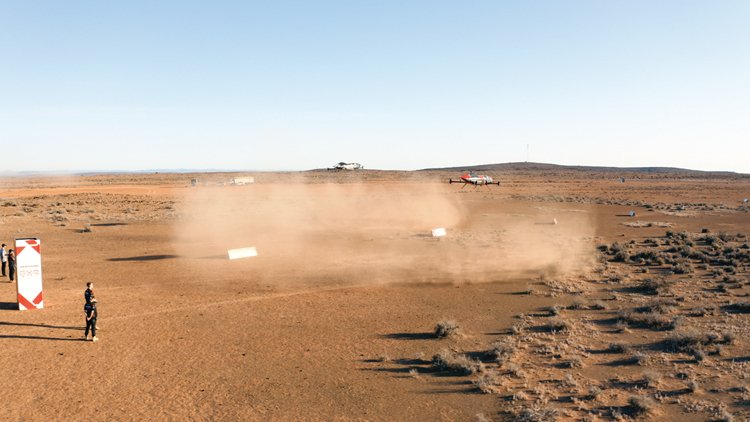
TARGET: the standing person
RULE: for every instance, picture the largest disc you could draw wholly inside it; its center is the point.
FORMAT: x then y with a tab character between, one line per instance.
11	264
89	293
3	257
90	310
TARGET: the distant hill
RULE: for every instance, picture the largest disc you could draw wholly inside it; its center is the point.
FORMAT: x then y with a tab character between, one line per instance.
526	166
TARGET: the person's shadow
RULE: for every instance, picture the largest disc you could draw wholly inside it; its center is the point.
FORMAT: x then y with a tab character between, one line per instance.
26	324
2	336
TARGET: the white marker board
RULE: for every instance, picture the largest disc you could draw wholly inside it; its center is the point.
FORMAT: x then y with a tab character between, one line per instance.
242	253
29	273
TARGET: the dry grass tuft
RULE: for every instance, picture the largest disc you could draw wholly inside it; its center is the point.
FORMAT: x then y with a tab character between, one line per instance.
450	361
447	328
641	406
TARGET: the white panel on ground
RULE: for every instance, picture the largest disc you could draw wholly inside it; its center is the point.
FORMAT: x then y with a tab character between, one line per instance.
242	253
439	232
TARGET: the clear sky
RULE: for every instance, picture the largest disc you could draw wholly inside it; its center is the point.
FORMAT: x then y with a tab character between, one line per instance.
287	85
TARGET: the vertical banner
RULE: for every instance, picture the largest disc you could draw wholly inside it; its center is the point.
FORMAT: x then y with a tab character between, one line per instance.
29	273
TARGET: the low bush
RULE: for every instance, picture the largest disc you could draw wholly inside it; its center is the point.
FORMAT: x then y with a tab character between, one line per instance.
447	328
449	361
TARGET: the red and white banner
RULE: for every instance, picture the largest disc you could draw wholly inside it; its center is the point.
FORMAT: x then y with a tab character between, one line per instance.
29	273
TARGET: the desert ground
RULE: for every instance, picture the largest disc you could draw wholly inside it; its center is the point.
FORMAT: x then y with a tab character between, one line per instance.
547	300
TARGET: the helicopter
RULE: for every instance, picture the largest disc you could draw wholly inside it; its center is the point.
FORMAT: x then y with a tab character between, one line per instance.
472	178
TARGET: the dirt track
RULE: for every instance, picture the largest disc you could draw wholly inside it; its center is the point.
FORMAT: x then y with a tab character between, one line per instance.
347	274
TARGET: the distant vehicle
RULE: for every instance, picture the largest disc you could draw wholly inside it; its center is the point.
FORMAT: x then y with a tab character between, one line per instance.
471	178
347	166
239	181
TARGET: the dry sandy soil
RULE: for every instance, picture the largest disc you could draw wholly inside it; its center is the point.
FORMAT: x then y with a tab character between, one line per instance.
598	317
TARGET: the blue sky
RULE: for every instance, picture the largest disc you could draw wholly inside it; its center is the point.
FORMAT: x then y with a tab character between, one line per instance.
281	85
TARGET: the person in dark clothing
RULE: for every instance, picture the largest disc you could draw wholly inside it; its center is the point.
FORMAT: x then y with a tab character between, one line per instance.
11	264
3	258
90	310
89	293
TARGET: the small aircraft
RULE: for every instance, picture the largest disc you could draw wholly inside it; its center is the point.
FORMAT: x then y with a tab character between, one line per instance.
471	178
347	166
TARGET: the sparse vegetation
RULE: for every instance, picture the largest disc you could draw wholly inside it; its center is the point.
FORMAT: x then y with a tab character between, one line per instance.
536	414
652	320
502	350
447	328
487	382
641	405
449	361
618	348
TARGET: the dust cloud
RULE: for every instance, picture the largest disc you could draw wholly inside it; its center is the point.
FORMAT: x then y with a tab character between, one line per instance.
356	233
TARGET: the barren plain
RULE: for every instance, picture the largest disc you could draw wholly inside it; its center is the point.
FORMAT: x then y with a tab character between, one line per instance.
553	301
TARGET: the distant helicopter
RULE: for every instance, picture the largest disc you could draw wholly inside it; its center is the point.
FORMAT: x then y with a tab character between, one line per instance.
471	178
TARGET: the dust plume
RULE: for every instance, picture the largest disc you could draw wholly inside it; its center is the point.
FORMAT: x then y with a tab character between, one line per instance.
372	233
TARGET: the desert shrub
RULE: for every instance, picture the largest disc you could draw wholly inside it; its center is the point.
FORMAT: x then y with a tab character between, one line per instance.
515	370
682	268
573	362
449	361
709	239
598	306
593	393
647	257
685	251
618	348
727	237
569	381
501	351
699	312
621	256
654	286
556	325
700	256
383	358
651	379
637	358
621	326
641	405
697	353
615	248
447	328
705	230
661	306
487	382
692	343
536	414
527	291
723	416
555	310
